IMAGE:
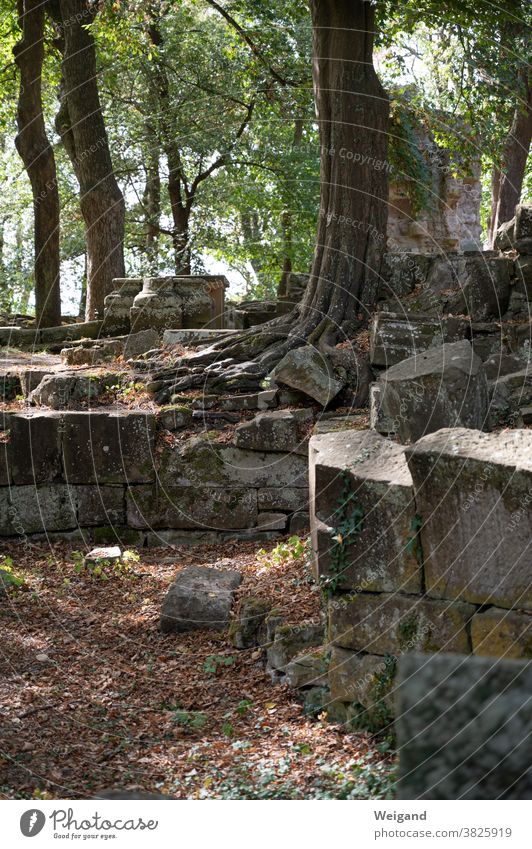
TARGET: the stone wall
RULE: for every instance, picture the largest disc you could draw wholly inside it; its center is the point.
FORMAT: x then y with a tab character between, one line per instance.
101	475
419	548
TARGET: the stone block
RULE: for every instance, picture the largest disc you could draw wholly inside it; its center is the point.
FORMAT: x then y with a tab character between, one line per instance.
276	430
247	629
292	640
389	623
360	678
394	337
502	633
100	505
34	448
199	599
290	499
309	669
474	497
464	728
138	343
444	387
102	447
523	228
37	509
271	521
187	507
363	517
308	371
300	524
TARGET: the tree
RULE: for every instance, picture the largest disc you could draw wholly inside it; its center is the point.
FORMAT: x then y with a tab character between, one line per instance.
37	155
80	124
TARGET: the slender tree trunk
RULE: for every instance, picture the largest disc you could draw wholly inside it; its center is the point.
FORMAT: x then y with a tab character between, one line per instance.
152	207
81	126
181	209
287	225
352	109
511	173
37	155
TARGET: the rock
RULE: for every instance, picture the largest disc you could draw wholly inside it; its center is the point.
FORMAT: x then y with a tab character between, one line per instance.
291	640
401	273
199	599
508	394
464	728
389	623
473	493
195	336
488	339
183	507
364	679
523	274
363	517
485	286
31	378
309	371
526	415
100	505
106	350
141	342
103	447
175	417
309	669
264	400
505	238
97	556
34	448
60	389
10	387
444	387
290	499
278	430
271	521
502	633
300	524
247	629
499	365
523	228
394	337
36	509
118	304
378	419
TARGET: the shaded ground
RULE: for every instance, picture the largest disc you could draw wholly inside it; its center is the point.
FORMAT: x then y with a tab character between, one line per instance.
93	696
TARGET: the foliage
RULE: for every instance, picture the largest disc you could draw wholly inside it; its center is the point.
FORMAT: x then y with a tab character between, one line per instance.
283	552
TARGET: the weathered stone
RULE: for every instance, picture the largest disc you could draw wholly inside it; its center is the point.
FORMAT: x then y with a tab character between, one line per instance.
118	304
474	496
502	633
307	370
103	447
175	417
100	505
508	394
199	599
486	286
291	640
107	350
200	460
464	727
523	228
308	669
195	336
444	387
31	378
10	387
34	449
138	343
36	509
401	273
290	499
361	678
97	556
499	365
395	337
278	430
523	274
526	415
378	419
505	238
60	389
389	623
300	524
264	400
363	515
271	521
487	339
247	628
183	507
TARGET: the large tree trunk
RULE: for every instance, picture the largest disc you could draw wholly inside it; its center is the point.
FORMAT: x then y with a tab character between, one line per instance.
353	110
81	125
38	157
507	180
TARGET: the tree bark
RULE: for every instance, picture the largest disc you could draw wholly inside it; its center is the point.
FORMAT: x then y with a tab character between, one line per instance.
81	126
152	206
352	109
509	176
37	155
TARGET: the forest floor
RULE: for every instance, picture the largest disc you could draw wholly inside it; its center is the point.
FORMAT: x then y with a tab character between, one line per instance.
94	697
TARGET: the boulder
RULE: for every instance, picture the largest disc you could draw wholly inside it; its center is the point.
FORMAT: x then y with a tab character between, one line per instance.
175	417
60	389
464	728
199	599
363	516
309	371
444	387
395	337
389	623
474	496
277	430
